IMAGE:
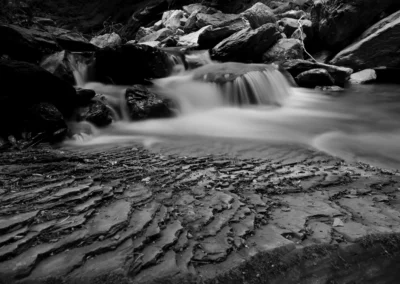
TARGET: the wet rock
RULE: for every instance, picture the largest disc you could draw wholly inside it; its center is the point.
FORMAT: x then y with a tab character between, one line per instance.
158	35
96	112
106	40
283	50
363	77
259	14
387	74
130	64
339	22
190	24
27	84
172	19
143	32
212	36
85	96
144	104
59	65
192	39
314	77
297	66
247	44
378	49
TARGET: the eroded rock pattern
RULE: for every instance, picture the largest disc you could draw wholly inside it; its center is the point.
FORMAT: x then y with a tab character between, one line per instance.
146	215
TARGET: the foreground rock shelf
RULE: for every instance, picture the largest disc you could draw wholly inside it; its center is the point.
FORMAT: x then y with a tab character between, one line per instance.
127	214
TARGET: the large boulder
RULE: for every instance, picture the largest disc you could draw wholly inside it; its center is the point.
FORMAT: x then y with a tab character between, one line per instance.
284	49
258	15
25	85
130	64
314	77
382	48
246	45
106	40
297	66
339	22
363	77
214	35
44	117
158	35
379	25
143	104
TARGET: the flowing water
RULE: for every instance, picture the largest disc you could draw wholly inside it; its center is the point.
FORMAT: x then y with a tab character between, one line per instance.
220	102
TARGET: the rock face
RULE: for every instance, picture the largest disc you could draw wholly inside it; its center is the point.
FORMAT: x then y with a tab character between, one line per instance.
338	22
314	77
144	104
25	85
247	44
284	49
297	66
212	36
106	40
379	25
213	19
130	64
258	15
382	48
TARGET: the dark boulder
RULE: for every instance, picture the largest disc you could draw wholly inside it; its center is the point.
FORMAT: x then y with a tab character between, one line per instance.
143	104
211	37
284	49
44	117
289	26
379	25
130	64
297	66
213	19
246	45
314	77
381	48
258	15
339	22
96	112
26	44
69	40
25	85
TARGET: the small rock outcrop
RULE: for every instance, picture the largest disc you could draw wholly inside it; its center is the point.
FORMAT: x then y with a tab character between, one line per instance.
314	77
364	76
247	44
